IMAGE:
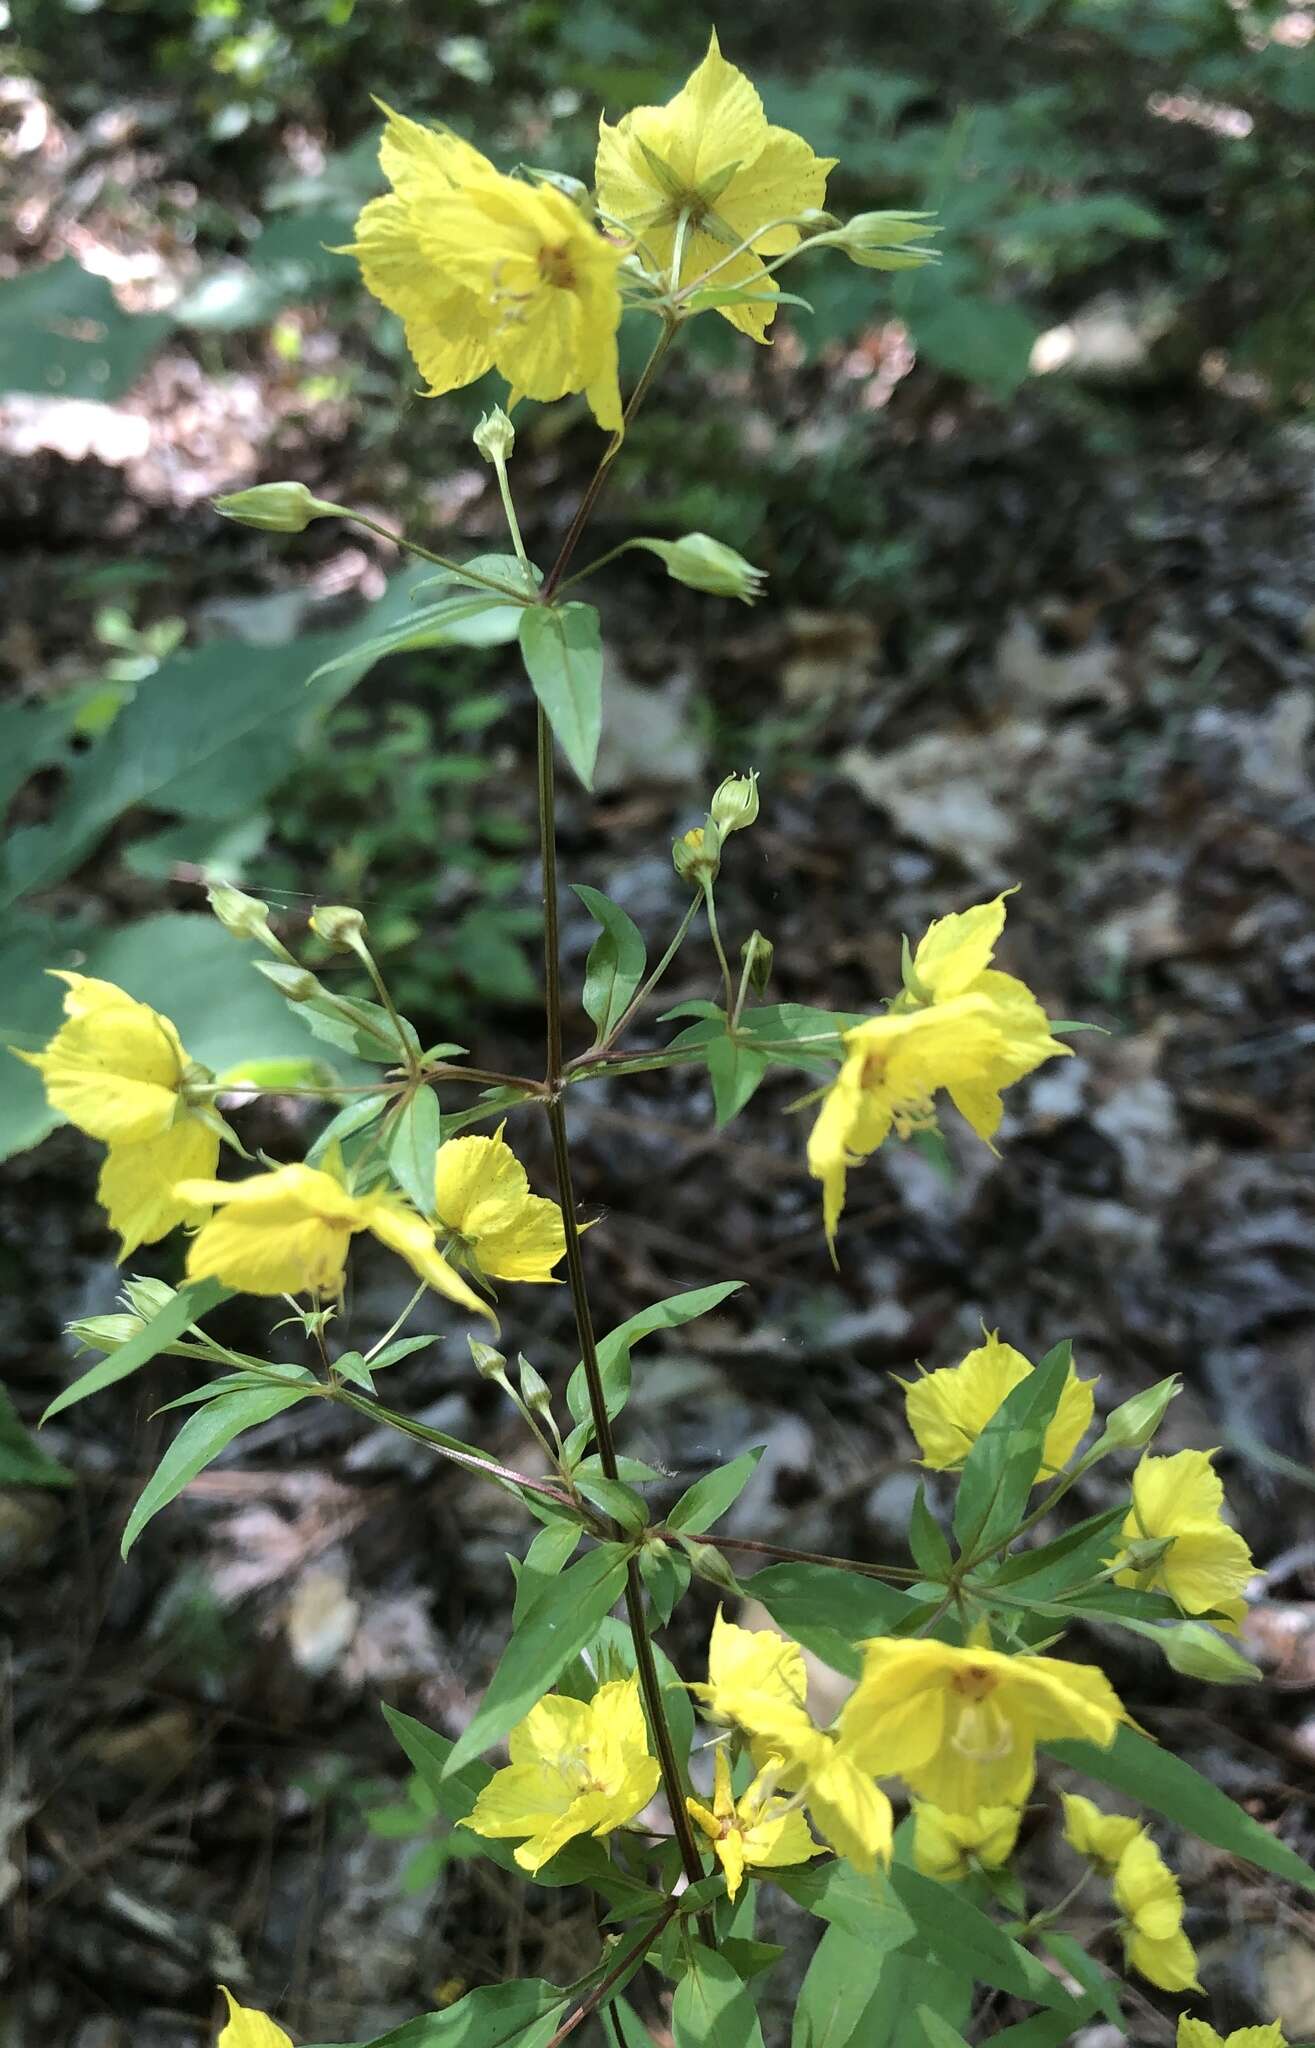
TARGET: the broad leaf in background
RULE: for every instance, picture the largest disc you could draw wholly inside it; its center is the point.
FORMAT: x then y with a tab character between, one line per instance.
522	2014
963	1937
563	653
63	333
712	2008
22	1460
616	961
555	1627
614	1349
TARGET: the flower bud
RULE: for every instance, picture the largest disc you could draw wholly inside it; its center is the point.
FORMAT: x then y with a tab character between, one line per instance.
338	925
534	1389
147	1297
296	984
757	954
707	1562
696	856
1198	1651
246	917
495	436
878	241
1133	1423
1143	1553
276	508
489	1364
735	803
702	563
104	1333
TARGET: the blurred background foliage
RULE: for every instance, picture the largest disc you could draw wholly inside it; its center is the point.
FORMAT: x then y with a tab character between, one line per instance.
1125	194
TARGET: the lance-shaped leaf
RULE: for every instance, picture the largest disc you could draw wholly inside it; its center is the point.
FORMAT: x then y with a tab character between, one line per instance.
199	1442
177	1315
563	653
616	962
614	1349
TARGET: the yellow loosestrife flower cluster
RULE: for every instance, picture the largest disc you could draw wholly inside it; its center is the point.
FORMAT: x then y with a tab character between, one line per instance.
1145	1891
577	1768
1200	2034
757	1680
709	171
1206	1567
958	1025
248	2028
759	1830
951	1846
117	1069
482	1195
948	1410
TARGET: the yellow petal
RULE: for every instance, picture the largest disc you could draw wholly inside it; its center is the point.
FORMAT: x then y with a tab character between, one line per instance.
783	178
473	1175
1200	2034
137	1182
1146	1891
421	162
408	1233
954	950
1171	1964
115	1067
555	1730
730	1854
284	1232
1101	1837
248	2028
447	330
948	1409
850	1810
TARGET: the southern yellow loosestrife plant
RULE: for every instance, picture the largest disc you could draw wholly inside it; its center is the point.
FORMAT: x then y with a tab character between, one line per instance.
248	2028
577	1768
288	1232
957	1025
707	172
951	1846
961	1726
947	1410
117	1069
491	272
1206	1566
482	1195
757	1831
1149	1898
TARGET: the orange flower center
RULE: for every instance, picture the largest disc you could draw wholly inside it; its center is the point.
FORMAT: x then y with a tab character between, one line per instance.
556	268
974	1682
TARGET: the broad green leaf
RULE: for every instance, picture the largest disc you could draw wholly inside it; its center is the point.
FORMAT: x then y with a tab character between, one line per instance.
548	1555
555	1628
930	1551
841	1981
22	1460
523	2014
176	1316
936	2032
908	1979
666	1576
449	623
563	653
1002	1466
623	2026
962	1937
614	1350
860	1904
355	1117
985	341
828	1611
708	1499
1100	1987
1154	1777
711	2008
736	1069
413	1147
616	963
1051	2029
1072	1558
64	334
612	1496
198	1443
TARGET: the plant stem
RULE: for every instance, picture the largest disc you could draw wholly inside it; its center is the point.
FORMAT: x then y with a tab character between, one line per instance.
614	1976
488	1468
399	540
726	975
896	1573
509	508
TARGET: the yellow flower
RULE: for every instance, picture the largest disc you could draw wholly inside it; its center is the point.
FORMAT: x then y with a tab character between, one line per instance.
488	272
248	2028
1179	1500
577	1768
1147	1894
710	156
757	1680
1200	2034
948	1410
759	1830
117	1069
951	1846
287	1232
482	1193
957	1025
961	1726
1100	1837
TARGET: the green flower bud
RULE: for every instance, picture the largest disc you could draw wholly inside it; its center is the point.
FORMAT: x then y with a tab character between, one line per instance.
276	508
104	1333
1132	1425
735	803
534	1389
757	954
489	1364
246	917
879	241
295	983
1143	1553
338	925
495	436
702	563
147	1297
708	1563
1198	1651
696	856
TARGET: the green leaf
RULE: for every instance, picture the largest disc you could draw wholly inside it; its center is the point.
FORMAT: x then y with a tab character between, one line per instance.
860	1903
1002	1466
1051	2029
911	1979
1073	1557
938	2033
616	963
708	1499
198	1443
982	340
356	1117
614	1350
841	1978
927	1544
1154	1777
735	1069
522	2014
666	1576
711	2008
563	653
1099	1986
828	1611
176	1316
413	1147
547	1557
611	1496
64	334
22	1460
475	620
555	1627
961	1936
